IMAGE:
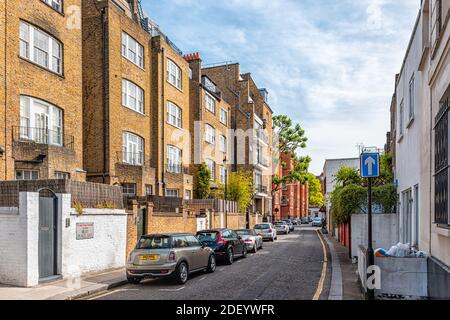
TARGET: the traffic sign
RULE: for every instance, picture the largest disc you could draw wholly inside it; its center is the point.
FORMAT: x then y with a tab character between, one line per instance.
370	165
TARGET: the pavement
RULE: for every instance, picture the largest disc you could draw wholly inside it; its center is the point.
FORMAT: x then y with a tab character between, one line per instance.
291	268
67	289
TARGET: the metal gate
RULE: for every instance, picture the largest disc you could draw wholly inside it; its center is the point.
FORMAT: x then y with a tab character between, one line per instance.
141	222
47	234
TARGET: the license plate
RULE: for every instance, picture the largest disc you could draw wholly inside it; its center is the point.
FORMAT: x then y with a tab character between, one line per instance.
150	257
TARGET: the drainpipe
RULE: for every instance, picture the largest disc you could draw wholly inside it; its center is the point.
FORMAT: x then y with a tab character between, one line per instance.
6	91
105	91
163	110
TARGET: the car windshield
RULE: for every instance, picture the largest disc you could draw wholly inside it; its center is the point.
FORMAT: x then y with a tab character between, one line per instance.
317	219
157	242
280	223
262	226
208	236
243	232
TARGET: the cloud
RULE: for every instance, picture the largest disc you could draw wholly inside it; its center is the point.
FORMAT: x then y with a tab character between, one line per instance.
328	64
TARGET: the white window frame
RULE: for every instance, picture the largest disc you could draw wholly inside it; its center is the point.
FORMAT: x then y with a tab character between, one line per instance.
188	194
174	115
132	96
412	98
52	132
172	193
51	51
174	74
174	159
59	175
401	122
55	4
223	174
126	187
132	50
29	173
211	164
210	103
223	146
132	149
224	116
210	134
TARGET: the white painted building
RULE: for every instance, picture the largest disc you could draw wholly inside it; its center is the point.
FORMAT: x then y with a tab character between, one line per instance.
409	129
330	170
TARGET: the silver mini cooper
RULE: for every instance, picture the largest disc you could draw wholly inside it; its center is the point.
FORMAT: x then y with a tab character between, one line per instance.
169	255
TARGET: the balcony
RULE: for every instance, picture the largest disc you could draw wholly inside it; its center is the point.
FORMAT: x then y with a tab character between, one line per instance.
131	158
43	136
176	168
262	136
261	189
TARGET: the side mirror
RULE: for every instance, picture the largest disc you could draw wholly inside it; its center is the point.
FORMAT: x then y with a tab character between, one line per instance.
239	237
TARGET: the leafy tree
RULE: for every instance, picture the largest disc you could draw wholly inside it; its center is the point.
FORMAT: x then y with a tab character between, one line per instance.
347	175
240	189
290	138
386	172
315	191
203	190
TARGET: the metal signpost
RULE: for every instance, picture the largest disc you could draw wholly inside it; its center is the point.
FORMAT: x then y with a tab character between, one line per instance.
370	168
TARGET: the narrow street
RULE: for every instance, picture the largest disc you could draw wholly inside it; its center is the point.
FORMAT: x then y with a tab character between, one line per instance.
289	269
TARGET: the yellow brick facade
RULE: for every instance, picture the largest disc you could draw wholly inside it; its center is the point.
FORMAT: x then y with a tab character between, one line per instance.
106	121
21	77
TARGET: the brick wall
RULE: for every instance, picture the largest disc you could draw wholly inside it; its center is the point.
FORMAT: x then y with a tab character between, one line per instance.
63	91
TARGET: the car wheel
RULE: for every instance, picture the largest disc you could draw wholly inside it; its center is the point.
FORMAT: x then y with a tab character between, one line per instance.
133	280
211	264
244	252
255	248
182	273
230	257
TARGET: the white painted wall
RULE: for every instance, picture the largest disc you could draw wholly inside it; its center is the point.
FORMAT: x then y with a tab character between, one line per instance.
19	239
19	231
384	232
408	156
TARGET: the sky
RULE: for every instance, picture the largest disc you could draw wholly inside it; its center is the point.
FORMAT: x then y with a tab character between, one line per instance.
328	64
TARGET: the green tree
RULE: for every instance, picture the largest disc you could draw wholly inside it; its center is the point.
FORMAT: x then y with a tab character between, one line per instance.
291	138
203	190
315	191
240	189
347	175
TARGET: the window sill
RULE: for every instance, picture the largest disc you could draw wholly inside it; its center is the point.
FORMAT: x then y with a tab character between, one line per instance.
400	139
172	125
179	89
441	230
410	123
61	75
134	111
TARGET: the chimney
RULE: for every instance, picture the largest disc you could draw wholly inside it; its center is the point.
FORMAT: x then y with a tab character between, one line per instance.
195	63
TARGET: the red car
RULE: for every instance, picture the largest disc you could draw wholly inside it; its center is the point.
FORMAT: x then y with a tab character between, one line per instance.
226	243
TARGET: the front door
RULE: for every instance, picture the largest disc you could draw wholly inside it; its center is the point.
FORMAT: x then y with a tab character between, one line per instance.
47	236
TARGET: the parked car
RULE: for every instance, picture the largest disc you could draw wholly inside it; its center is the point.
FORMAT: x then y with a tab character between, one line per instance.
310	219
290	224
281	227
267	231
305	220
317	222
252	240
295	222
226	243
169	255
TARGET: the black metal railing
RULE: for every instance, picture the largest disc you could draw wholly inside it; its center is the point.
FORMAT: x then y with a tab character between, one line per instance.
261	189
132	158
176	168
43	136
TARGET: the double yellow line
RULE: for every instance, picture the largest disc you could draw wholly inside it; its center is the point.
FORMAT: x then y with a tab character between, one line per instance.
324	270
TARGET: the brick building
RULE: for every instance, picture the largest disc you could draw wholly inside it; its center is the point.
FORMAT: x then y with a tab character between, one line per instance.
117	97
210	125
251	118
41	106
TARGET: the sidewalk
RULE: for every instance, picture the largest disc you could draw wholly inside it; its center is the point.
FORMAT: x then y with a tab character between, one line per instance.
344	282
66	289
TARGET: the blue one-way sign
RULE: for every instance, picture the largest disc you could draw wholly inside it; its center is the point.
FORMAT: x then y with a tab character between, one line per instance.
370	165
